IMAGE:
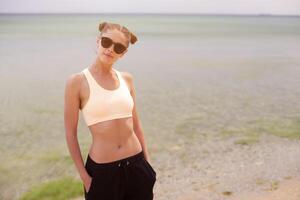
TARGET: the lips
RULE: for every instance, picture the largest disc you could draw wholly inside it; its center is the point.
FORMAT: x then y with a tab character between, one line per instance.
108	55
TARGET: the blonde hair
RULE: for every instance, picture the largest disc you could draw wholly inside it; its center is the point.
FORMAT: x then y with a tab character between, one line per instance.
104	26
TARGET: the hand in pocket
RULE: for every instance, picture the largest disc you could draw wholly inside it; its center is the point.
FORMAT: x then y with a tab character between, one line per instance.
150	165
88	184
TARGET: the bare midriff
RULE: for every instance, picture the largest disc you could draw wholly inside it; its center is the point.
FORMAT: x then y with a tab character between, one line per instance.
113	140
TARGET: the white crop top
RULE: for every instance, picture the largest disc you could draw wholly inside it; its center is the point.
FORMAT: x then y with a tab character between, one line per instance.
103	104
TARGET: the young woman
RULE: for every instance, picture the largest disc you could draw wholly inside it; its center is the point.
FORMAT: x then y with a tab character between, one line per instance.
118	164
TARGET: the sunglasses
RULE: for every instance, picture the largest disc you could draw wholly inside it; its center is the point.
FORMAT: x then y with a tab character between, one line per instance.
106	42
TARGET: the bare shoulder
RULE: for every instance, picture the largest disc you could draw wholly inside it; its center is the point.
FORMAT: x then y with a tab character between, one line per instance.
74	82
126	75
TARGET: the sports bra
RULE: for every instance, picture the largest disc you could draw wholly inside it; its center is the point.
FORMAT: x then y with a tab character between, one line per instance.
104	104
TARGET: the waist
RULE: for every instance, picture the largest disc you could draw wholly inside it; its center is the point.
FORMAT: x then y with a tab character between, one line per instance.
99	169
108	151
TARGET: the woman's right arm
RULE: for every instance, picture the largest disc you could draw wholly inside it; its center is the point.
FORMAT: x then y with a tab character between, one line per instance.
71	112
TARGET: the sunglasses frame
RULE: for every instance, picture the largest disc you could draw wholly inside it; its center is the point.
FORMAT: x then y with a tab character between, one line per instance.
116	45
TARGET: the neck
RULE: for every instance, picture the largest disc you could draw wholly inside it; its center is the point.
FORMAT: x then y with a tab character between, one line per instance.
101	67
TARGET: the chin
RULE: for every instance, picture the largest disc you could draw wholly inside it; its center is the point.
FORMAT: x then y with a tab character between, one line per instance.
104	59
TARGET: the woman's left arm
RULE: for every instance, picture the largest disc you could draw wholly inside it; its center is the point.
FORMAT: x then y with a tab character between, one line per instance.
136	120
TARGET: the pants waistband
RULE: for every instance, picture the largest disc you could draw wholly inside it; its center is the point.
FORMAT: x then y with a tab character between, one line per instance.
117	163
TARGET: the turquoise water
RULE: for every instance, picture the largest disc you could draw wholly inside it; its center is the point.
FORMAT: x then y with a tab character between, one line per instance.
194	76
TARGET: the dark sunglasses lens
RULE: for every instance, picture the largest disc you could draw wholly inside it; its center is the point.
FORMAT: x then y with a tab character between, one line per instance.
119	48
106	42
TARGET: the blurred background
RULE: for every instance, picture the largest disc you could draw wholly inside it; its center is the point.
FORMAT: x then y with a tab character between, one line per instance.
217	83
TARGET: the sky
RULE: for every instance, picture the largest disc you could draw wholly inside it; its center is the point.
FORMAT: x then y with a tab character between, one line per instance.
275	7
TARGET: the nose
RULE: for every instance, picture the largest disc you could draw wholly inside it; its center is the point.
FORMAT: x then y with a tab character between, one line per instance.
111	48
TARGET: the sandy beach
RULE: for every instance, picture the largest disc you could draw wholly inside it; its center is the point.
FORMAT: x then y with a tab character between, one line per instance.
287	190
264	171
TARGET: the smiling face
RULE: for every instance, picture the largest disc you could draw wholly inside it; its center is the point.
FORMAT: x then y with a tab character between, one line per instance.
108	55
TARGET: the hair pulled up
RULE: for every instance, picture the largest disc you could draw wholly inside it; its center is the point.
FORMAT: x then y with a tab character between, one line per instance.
104	26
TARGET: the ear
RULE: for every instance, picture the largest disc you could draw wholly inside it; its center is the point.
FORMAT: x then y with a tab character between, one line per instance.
97	40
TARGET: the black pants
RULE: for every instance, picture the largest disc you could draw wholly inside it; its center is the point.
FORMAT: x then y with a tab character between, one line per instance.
130	178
